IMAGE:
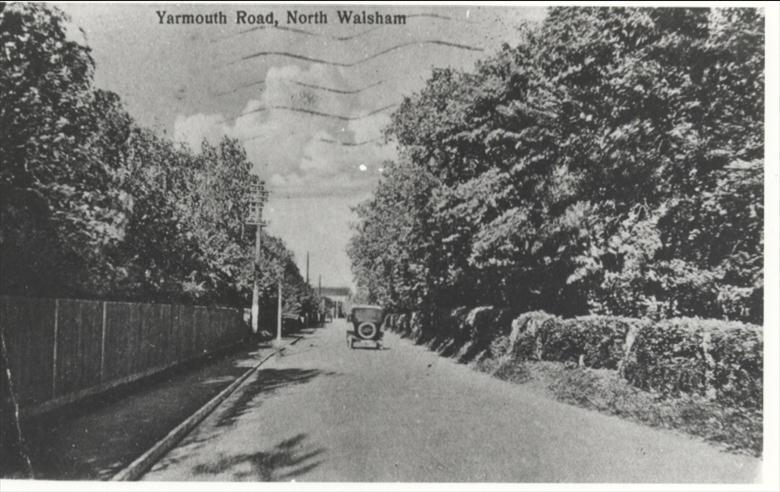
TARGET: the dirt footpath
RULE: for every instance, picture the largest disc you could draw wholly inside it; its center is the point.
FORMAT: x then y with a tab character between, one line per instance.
97	438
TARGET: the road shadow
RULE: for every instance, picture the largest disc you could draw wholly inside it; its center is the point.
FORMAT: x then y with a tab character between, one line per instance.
471	352
435	344
371	348
450	347
286	461
267	381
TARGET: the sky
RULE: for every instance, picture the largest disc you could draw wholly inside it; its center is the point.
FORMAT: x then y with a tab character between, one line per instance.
308	101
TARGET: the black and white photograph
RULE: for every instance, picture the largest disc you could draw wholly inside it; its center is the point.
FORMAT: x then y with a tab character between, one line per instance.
531	246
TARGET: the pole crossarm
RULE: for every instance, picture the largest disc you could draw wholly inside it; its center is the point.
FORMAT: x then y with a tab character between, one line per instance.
257	201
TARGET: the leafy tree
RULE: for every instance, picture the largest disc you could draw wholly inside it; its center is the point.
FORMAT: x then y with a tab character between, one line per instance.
611	162
94	205
57	210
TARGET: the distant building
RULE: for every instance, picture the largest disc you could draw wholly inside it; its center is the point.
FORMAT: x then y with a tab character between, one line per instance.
338	297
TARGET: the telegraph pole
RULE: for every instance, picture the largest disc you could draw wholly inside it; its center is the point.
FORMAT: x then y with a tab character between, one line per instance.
321	307
279	315
257	218
306	314
256	283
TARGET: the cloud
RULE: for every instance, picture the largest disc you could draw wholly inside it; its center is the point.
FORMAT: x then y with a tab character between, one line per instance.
193	129
290	149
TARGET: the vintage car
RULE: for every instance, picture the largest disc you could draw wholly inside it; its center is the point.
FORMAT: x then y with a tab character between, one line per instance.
366	323
291	323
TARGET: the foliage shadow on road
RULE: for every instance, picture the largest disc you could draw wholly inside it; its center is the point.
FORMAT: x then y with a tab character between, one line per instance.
287	460
266	381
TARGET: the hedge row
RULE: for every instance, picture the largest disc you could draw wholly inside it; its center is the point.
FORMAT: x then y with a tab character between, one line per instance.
525	340
599	340
721	360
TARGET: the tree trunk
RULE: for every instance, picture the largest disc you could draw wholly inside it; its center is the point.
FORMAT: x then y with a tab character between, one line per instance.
14	461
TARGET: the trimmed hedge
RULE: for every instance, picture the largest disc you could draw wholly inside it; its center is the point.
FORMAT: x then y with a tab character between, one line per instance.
718	359
525	336
415	326
452	324
738	353
389	322
485	323
599	340
479	323
402	324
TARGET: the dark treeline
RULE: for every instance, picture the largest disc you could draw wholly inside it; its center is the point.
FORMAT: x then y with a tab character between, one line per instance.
94	205
610	163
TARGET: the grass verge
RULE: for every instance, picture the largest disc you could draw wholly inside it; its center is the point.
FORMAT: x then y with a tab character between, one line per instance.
737	429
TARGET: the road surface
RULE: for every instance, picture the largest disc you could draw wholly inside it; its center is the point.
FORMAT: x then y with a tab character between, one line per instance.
323	412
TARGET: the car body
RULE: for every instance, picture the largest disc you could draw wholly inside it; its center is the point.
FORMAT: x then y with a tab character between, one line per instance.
366	320
291	323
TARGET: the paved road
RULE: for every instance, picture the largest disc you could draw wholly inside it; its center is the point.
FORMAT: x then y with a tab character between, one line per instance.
324	413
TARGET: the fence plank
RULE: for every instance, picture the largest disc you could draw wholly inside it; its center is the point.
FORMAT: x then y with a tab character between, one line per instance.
79	327
174	343
54	349
122	327
103	345
164	334
118	340
147	355
186	327
201	329
28	325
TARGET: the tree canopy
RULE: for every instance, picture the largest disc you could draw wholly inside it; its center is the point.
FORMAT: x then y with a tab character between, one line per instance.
612	163
95	205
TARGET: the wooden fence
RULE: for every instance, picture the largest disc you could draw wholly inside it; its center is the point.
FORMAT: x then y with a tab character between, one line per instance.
61	350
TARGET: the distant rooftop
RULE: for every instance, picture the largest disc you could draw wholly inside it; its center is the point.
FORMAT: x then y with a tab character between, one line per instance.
336	291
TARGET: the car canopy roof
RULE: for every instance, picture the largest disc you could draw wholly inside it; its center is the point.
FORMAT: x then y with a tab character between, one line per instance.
366	306
367	313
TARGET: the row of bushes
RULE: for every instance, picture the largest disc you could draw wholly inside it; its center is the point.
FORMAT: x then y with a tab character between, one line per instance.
720	360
